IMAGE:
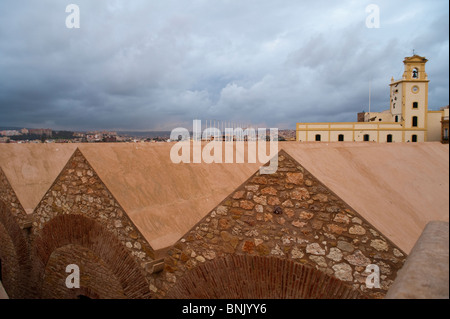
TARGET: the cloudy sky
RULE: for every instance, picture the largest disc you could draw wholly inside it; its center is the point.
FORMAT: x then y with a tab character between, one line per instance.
157	65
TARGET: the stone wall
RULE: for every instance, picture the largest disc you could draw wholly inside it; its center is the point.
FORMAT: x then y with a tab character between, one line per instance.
14	244
287	215
425	274
78	209
9	198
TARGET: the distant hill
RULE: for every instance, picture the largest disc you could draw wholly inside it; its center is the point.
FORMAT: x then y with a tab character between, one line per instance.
149	134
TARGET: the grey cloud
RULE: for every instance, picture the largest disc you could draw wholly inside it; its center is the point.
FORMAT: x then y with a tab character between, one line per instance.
158	64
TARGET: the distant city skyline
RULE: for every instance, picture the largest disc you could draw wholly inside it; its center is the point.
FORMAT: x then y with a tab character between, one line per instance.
155	66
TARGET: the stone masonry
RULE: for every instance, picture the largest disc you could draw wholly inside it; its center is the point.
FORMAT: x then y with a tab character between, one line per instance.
9	198
288	215
94	221
14	245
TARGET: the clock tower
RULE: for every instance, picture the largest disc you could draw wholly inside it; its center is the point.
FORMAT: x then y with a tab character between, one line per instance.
409	98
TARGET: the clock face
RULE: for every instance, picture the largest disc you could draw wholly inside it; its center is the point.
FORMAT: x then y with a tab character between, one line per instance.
415	89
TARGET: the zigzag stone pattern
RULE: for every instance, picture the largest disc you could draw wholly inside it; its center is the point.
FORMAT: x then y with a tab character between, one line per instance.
287	215
78	209
8	196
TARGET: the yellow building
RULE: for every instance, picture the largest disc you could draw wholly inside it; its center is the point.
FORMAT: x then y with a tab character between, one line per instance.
407	120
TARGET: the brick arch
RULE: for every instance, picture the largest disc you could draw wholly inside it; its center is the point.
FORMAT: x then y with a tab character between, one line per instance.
249	277
97	281
81	231
14	254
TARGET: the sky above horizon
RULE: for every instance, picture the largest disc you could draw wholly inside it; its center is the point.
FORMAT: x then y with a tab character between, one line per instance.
157	65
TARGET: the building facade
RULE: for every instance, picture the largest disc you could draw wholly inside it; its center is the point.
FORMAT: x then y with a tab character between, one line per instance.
407	120
41	131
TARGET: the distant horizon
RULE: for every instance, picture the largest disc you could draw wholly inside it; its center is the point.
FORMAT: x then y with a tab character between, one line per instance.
18	128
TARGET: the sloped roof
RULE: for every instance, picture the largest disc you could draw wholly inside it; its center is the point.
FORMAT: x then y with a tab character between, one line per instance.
32	168
415	58
398	187
163	199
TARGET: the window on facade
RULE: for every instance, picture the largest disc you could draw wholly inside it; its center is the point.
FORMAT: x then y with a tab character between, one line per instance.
445	133
415	73
317	137
341	137
396	118
389	138
414	138
366	137
415	105
414	121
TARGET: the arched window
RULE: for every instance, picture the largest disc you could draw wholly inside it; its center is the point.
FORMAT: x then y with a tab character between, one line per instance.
389	138
317	137
414	121
341	137
415	105
396	118
414	138
415	73
366	137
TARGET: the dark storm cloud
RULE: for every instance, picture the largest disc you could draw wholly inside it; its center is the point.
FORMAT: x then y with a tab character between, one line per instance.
159	64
